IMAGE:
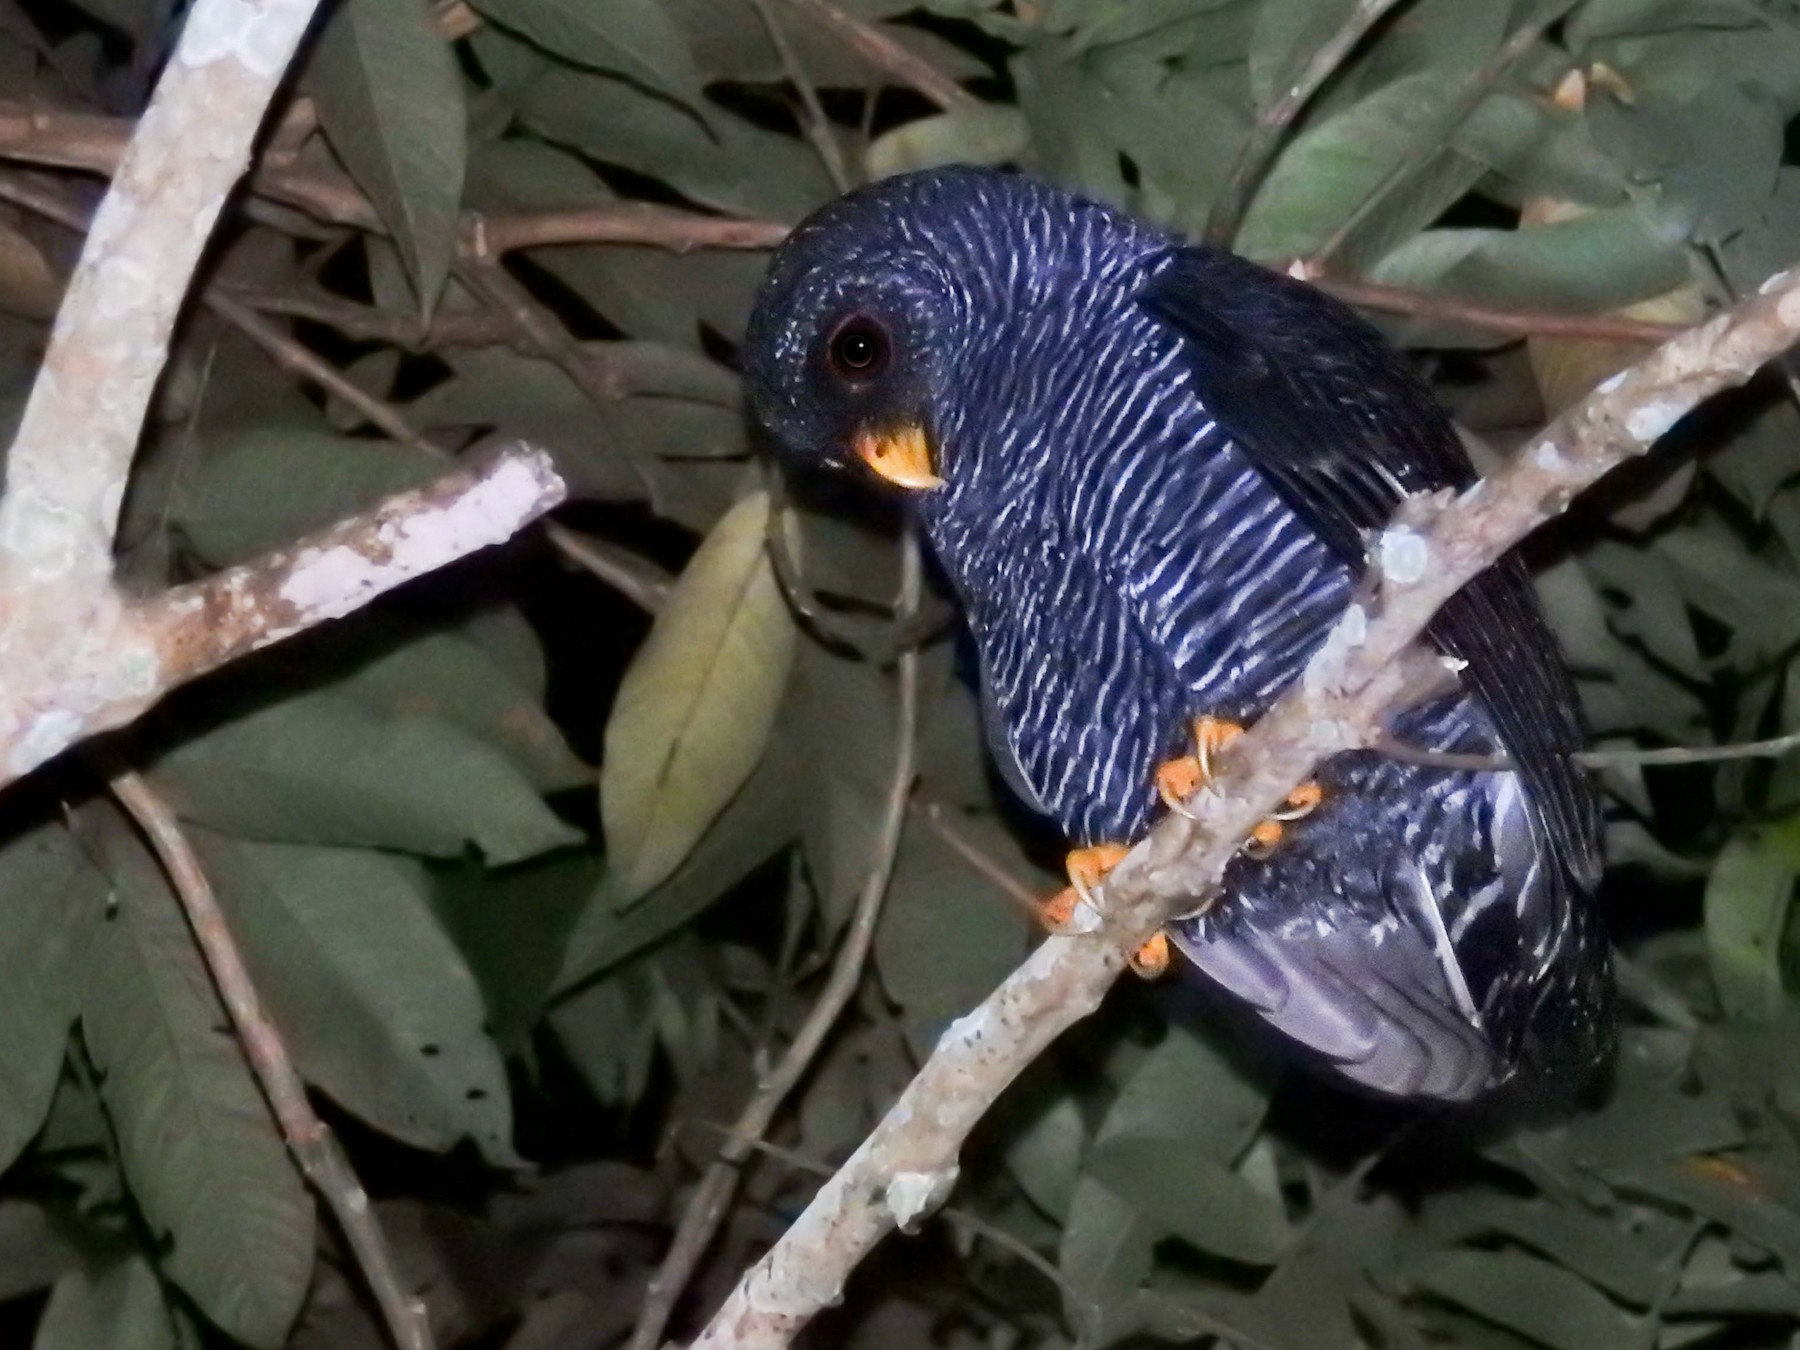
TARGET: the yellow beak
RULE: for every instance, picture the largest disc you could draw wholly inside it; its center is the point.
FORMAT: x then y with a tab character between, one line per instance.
902	456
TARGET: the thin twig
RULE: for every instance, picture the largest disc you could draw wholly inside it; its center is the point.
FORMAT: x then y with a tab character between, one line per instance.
637	579
1263	143
1505	319
448	328
1369	661
92	143
663	227
310	1140
889	56
482	271
816	125
707	1208
937	819
296	358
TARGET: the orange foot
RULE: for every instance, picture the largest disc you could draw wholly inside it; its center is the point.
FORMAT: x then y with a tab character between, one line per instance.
1074	909
1179	779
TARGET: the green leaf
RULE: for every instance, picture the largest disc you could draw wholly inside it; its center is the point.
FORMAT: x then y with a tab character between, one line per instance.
195	1137
730	43
229	514
1044	1156
1624	1263
1286	34
1105	1256
1543	150
683	407
375	1002
1179	1192
609	1035
697	703
1749	902
984	134
1168	1143
117	1305
36	1248
390	100
846	714
636	38
448	678
49	897
1540	1301
324	768
1189	1092
757	824
1327	171
513	928
649	293
729	163
1603	260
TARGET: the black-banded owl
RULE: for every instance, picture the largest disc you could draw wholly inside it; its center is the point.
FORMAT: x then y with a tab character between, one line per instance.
1151	470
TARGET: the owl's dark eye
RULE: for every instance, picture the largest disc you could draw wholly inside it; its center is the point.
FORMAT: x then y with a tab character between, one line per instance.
859	349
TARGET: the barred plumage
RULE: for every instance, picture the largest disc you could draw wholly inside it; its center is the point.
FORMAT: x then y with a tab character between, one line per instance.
1155	461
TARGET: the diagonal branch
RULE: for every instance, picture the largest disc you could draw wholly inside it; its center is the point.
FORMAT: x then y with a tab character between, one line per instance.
888	55
1370	660
308	1138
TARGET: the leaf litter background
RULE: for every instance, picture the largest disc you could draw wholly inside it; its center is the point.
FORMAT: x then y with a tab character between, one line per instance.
536	887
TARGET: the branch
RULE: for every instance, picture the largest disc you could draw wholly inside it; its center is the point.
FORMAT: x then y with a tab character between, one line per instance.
65	474
1506	319
308	1138
74	140
81	660
814	122
1260	147
708	1206
1367	663
650	226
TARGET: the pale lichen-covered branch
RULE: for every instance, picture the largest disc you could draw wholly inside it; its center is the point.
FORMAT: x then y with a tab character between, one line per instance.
1369	662
65	474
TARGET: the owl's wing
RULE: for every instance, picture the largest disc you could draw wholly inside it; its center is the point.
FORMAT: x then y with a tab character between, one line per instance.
1344	430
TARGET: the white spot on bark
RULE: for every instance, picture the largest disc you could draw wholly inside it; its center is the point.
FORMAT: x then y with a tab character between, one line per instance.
49	735
1404	556
327	584
911	1196
1549	458
1787	309
1326	669
970	1027
1647	422
1610	383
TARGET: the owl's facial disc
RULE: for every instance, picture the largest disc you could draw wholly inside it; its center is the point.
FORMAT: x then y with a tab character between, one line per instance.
901	454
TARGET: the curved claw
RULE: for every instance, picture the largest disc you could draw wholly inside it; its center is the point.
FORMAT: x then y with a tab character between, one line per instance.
1151	960
1302	801
1212	734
